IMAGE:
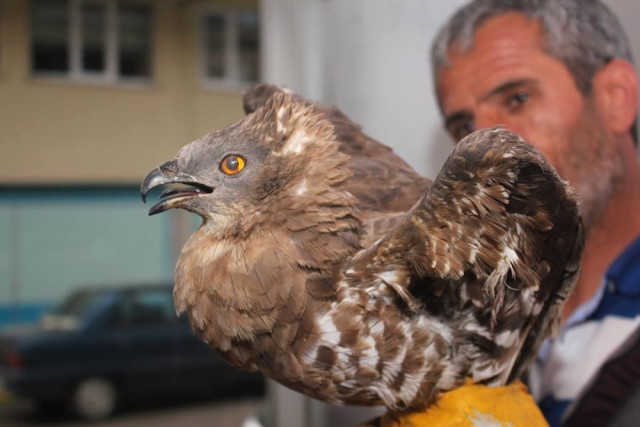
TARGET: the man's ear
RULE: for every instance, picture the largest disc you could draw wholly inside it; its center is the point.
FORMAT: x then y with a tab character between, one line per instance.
615	87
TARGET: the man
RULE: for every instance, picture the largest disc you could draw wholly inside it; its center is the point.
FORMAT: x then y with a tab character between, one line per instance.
560	74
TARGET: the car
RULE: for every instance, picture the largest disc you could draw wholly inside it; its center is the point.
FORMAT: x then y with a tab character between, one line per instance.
101	346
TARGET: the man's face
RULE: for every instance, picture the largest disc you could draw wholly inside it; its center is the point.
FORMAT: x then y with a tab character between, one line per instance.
507	79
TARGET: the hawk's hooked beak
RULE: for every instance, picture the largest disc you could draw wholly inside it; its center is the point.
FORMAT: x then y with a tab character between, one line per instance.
174	196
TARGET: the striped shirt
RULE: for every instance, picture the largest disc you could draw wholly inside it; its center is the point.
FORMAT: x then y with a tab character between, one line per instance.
567	365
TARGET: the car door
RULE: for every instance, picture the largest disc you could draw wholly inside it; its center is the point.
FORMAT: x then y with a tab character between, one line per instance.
145	327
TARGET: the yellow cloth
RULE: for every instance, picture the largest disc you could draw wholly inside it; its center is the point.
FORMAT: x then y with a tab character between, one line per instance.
474	405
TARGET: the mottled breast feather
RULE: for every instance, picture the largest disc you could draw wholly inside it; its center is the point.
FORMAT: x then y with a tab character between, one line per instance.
334	268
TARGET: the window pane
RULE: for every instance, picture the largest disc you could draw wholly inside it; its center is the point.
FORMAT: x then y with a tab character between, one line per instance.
93	36
134	35
248	47
152	307
214	46
49	27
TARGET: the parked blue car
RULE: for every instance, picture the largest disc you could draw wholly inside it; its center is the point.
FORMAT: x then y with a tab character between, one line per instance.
102	346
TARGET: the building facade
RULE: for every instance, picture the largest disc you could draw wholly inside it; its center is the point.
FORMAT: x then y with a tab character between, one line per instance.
93	94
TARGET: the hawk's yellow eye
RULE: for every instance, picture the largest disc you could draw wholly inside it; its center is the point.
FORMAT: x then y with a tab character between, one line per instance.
232	164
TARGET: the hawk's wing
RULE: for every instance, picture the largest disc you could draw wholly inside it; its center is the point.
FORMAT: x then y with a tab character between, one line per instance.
497	237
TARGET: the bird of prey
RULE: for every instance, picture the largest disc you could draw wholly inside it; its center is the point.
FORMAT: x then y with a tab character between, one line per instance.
326	262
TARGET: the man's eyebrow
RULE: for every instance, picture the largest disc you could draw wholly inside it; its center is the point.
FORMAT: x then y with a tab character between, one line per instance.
507	86
456	117
504	87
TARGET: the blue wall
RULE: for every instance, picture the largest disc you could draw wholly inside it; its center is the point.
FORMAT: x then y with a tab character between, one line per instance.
53	240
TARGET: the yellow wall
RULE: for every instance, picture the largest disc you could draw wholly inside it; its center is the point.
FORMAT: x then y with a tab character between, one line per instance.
60	132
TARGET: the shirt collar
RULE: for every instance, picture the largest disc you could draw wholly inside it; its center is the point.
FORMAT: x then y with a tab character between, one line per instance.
623	276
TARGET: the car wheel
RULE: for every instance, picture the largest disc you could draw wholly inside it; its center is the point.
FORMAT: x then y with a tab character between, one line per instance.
94	398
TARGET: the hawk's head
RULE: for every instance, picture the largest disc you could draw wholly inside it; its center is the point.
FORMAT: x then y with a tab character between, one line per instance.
270	161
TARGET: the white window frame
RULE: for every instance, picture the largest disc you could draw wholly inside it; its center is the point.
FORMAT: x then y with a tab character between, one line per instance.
231	53
111	74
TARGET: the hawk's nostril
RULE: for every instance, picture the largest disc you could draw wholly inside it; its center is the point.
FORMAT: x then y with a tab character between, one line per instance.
171	167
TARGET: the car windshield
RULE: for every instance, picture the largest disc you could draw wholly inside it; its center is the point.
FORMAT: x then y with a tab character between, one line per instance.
68	314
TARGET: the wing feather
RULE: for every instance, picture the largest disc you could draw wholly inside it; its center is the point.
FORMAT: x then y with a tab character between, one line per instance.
498	230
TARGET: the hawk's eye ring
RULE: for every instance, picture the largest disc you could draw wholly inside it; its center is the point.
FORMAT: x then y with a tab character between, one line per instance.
232	164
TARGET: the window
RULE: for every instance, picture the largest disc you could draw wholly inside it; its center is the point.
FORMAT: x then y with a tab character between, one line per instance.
50	45
99	40
231	47
147	307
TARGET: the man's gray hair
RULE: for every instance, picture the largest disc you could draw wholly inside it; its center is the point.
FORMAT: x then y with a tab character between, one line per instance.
582	34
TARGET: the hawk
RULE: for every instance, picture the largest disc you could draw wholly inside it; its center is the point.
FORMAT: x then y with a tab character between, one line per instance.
324	261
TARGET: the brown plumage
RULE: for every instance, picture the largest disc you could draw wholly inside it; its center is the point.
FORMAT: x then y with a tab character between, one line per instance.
326	262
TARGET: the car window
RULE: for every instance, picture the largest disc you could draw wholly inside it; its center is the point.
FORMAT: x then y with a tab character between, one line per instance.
78	304
146	307
69	313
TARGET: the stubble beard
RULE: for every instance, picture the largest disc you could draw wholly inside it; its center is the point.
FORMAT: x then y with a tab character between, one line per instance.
595	166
